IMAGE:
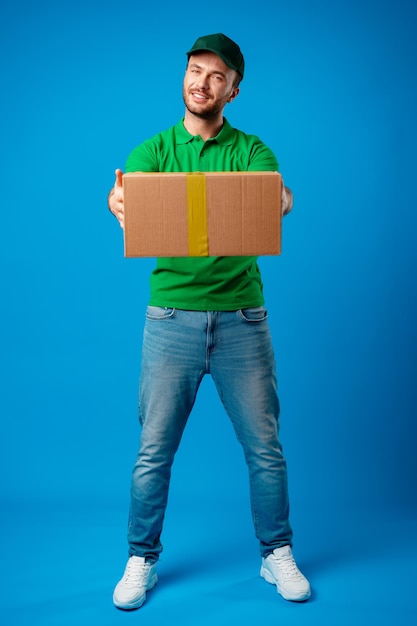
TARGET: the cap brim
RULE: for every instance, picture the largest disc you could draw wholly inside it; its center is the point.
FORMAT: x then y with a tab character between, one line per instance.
224	59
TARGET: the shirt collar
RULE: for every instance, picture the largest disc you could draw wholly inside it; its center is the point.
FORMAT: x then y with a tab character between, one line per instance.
225	136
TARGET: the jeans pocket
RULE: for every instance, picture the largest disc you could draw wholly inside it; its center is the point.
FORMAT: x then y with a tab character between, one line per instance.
254	314
159	313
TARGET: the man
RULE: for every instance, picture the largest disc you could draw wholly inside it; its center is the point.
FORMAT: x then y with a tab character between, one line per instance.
195	301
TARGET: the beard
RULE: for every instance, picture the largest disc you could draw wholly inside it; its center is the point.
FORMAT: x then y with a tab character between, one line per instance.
210	110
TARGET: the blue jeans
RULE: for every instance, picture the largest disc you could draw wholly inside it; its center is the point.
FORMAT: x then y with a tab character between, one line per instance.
235	348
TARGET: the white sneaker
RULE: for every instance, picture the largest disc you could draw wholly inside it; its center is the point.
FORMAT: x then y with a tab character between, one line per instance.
280	569
139	577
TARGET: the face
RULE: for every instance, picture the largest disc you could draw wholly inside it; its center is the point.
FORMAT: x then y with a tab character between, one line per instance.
209	84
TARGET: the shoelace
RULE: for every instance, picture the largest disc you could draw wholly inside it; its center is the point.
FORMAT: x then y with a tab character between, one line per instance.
288	567
135	573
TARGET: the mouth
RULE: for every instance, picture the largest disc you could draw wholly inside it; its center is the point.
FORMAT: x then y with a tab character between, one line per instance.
199	96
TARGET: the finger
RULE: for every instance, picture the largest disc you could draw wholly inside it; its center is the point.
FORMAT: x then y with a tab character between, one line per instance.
119	178
287	200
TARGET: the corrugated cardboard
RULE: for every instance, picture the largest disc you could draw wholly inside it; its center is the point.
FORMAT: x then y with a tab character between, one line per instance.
242	214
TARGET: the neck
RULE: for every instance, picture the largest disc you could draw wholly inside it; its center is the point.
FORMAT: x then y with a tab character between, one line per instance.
206	128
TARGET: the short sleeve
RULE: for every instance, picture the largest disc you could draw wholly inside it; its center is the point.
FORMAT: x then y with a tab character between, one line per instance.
262	159
142	159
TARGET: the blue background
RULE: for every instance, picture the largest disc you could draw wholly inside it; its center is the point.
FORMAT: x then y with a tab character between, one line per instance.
331	88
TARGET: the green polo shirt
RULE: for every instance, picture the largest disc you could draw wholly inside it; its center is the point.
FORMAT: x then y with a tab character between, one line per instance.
204	283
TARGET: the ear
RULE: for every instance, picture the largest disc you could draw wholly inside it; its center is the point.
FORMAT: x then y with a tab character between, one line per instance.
234	94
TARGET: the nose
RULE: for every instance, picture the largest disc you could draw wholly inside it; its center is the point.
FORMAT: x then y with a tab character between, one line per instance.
202	81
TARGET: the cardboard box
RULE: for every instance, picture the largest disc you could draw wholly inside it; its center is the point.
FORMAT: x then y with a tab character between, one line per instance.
202	214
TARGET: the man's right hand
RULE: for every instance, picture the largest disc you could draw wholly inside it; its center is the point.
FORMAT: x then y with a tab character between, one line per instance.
116	198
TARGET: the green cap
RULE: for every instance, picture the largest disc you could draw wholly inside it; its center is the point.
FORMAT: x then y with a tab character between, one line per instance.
224	47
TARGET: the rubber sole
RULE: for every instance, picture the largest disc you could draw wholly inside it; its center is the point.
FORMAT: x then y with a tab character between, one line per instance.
130	606
266	575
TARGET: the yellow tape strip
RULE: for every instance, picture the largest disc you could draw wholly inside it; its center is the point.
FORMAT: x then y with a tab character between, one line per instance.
197	215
